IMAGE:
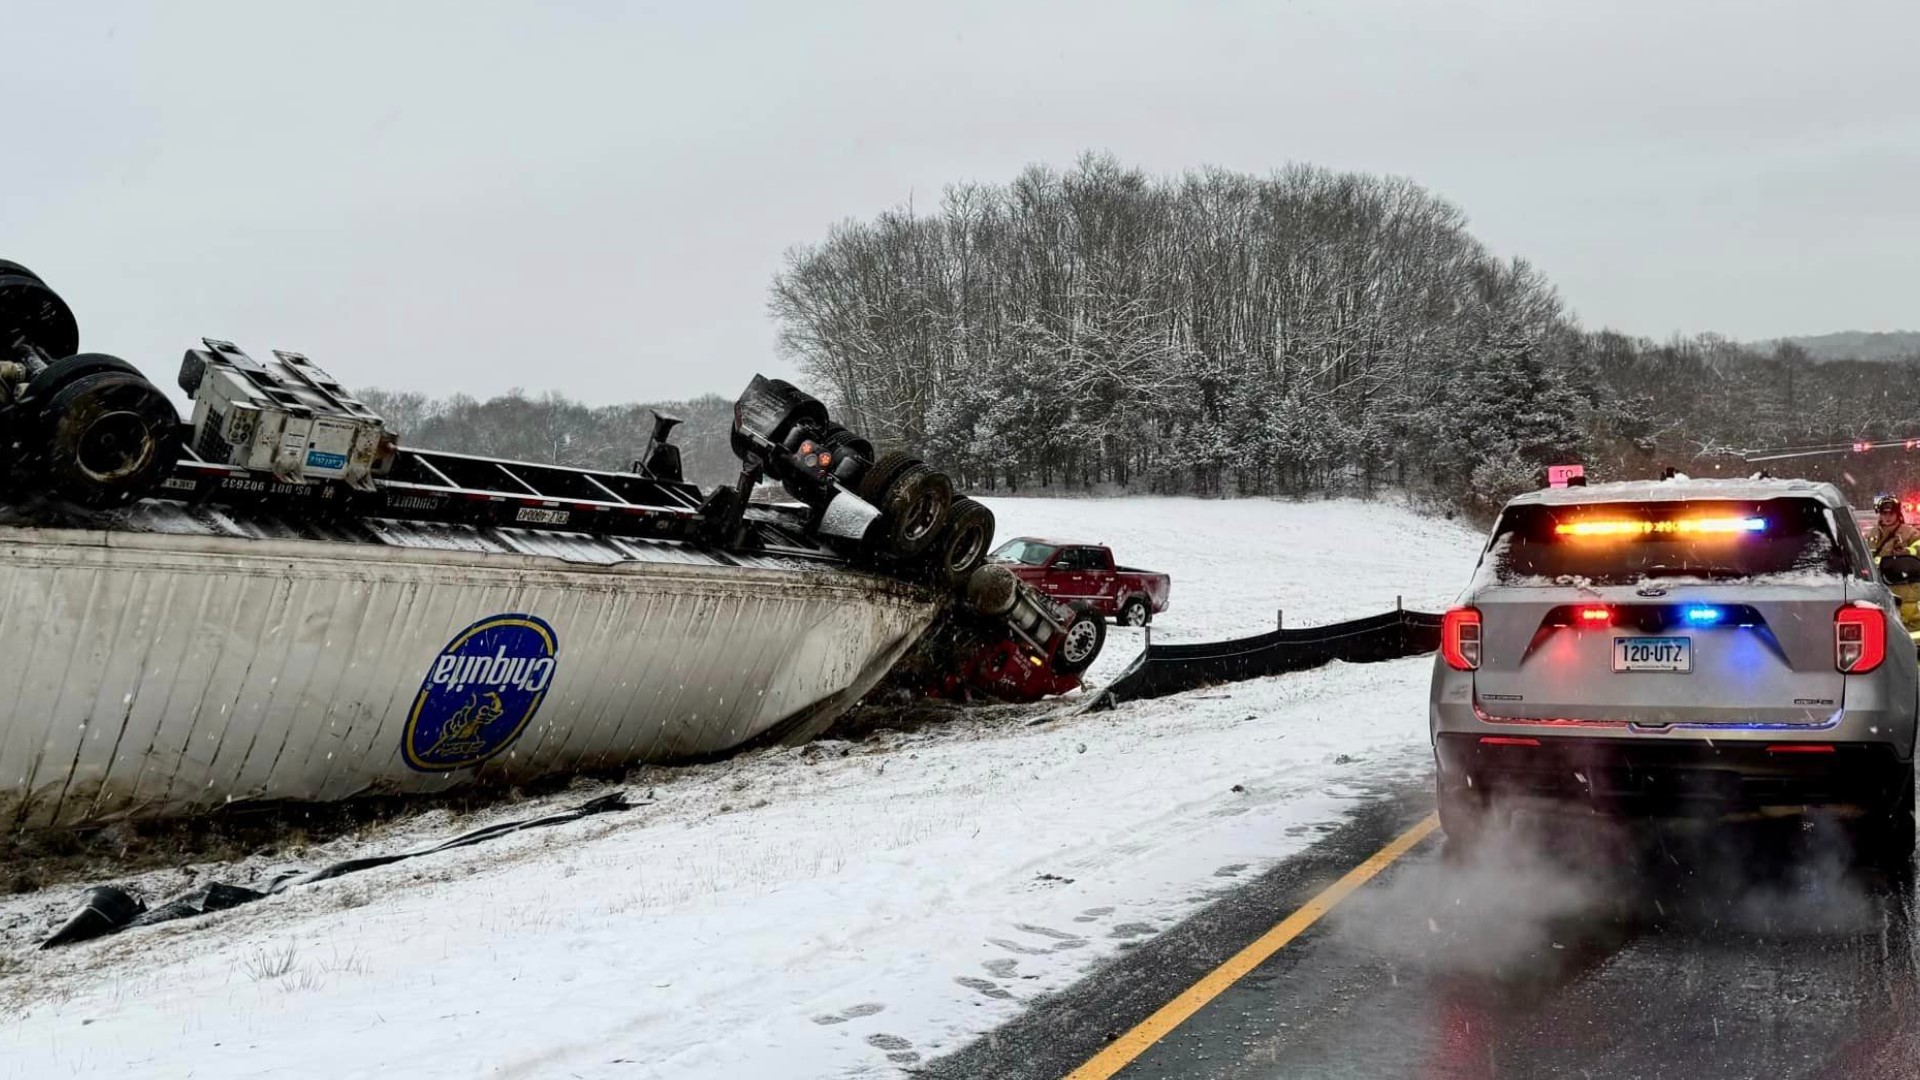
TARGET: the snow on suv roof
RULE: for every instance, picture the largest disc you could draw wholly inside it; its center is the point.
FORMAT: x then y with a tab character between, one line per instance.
1681	490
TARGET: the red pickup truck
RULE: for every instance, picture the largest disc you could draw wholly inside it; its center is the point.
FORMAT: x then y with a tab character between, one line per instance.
1085	574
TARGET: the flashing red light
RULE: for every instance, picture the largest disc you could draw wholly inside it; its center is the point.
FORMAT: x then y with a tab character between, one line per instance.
1862	447
1460	638
1595	615
1800	748
1859	638
1507	740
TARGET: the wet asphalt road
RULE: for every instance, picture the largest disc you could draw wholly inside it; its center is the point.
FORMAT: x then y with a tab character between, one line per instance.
1560	951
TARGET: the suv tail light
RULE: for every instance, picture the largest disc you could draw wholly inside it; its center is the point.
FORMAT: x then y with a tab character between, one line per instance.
1859	638
1460	638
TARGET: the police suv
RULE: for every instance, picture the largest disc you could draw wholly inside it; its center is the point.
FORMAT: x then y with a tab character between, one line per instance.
1676	648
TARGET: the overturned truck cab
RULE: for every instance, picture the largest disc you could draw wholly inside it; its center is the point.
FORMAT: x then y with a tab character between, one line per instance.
279	600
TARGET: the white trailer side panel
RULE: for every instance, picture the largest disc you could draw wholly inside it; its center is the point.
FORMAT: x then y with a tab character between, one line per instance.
164	673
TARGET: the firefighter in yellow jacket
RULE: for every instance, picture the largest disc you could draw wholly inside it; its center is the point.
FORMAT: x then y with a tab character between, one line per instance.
1891	535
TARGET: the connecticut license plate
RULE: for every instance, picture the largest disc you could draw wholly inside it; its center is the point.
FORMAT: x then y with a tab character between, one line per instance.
1652	654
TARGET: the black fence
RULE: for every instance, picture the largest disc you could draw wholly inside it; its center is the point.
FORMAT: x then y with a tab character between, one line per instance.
1169	669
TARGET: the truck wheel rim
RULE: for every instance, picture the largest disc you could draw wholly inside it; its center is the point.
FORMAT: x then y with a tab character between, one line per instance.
923	516
114	447
965	549
1079	642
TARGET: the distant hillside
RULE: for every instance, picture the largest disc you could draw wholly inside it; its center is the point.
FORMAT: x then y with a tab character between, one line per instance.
1855	345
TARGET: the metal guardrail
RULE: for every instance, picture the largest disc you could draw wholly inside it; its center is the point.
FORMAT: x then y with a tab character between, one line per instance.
1171	669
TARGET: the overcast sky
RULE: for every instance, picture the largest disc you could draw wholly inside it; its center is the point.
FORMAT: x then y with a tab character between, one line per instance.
592	197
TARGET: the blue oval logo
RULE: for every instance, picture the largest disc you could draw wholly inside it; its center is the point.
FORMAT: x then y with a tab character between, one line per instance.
481	692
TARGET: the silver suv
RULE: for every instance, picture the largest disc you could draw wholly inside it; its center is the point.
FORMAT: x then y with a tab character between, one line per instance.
1679	648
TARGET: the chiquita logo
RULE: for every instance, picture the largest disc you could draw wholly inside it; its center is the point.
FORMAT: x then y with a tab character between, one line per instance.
481	691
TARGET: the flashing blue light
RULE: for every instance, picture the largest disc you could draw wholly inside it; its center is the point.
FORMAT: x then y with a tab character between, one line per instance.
1756	524
1703	615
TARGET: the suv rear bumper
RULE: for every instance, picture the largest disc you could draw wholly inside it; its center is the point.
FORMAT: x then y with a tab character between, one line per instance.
1671	777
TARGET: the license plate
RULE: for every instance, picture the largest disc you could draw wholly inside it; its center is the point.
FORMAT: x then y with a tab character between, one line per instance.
543	517
1652	654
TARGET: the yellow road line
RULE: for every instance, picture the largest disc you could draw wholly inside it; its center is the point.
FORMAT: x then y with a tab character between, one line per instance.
1122	1051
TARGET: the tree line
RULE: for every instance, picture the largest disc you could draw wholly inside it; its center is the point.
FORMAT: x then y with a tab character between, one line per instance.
1304	333
1301	333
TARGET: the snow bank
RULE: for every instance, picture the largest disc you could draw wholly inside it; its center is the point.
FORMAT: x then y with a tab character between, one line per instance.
843	909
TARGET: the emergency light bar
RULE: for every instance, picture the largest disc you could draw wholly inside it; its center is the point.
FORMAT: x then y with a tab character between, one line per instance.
1682	526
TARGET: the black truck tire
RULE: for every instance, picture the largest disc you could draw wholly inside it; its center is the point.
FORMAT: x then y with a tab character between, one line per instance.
873	486
1135	612
915	508
110	438
9	267
67	369
1080	642
964	543
30	310
842	441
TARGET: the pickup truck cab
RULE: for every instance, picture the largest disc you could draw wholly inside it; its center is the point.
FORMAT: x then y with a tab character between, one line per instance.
1085	574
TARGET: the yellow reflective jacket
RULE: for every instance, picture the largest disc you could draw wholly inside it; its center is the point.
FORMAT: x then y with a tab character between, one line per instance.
1902	539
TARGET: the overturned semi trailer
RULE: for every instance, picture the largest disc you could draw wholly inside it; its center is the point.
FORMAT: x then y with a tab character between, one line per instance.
197	662
278	601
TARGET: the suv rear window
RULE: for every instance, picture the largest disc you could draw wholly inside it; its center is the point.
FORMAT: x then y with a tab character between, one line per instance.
1621	543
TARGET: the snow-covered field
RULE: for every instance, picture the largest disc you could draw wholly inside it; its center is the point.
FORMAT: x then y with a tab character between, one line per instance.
845	909
1235	563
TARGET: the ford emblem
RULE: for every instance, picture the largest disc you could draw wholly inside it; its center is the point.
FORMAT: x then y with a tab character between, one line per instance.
1653	591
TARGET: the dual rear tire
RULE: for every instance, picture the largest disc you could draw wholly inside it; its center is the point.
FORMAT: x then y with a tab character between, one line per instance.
110	437
33	313
88	428
916	504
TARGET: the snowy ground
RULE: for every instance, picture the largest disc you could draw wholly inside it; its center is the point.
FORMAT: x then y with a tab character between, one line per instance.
841	910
